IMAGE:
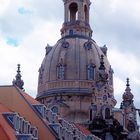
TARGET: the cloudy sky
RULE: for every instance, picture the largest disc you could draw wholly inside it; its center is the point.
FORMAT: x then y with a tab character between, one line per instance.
27	26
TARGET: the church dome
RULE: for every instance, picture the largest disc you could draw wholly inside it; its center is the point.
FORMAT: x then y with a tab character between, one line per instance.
72	65
69	67
75	71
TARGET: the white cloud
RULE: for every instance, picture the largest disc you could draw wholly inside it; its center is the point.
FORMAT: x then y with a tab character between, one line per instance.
125	65
4	5
125	62
29	54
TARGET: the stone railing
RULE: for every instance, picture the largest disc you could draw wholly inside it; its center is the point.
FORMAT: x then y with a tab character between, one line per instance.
66	84
69	84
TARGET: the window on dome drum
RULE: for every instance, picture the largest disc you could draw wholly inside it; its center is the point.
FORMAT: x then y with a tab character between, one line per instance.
60	71
91	72
70	32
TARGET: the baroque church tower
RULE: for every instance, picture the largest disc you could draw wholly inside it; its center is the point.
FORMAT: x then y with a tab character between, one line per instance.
130	120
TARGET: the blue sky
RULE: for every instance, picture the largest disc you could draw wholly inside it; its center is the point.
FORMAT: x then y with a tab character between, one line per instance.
12	42
24	11
26	26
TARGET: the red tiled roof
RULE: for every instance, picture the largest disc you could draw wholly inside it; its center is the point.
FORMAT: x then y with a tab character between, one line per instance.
30	99
18	101
6	131
83	129
3	135
4	109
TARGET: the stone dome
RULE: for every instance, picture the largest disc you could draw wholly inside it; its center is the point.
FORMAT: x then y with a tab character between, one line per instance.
75	72
64	69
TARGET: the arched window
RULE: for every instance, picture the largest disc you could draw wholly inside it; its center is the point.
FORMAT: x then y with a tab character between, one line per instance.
107	113
91	72
73	8
93	110
70	32
60	71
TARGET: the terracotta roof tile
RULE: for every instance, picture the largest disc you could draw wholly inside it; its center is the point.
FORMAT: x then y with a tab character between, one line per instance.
83	129
4	109
6	131
30	99
20	102
3	135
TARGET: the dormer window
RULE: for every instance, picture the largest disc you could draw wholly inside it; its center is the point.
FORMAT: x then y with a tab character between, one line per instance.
60	71
91	72
55	109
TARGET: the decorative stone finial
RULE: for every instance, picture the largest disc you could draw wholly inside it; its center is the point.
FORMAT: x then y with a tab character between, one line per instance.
103	75
18	82
127	82
127	94
104	50
127	86
102	67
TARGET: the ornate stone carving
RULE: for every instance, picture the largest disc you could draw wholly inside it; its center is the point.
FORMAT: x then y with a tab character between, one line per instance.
18	81
65	44
88	45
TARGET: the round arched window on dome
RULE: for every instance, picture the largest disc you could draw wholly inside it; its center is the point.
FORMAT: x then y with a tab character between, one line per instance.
91	72
60	71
